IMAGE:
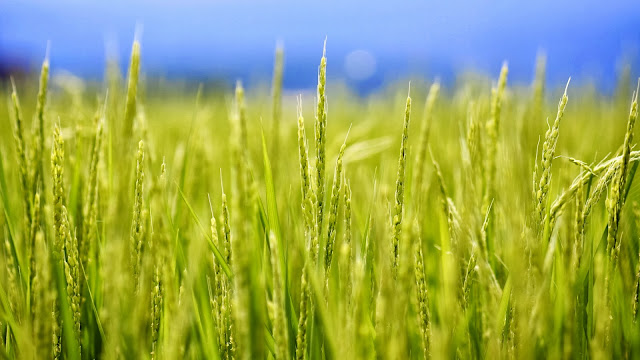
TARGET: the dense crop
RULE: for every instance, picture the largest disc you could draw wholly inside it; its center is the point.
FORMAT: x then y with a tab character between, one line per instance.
446	222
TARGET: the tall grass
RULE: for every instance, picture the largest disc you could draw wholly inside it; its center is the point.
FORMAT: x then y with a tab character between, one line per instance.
105	254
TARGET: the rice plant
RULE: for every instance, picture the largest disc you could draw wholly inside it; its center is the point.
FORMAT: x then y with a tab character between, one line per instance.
429	240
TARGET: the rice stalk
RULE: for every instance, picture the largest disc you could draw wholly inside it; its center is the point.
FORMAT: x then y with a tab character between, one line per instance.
539	85
276	107
578	227
72	272
421	153
158	247
226	324
43	300
615	200
37	163
250	339
398	210
320	139
303	154
216	291
333	212
23	163
346	251
14	290
474	143
278	304
492	128
90	209
606	170
308	205
137	222
225	225
57	169
301	338
33	239
635	299
241	118
424	315
65	247
132	90
548	153
364	333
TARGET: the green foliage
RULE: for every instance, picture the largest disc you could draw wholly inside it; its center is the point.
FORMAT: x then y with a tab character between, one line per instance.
105	256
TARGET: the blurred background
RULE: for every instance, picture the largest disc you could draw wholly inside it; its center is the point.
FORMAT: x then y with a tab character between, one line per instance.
368	43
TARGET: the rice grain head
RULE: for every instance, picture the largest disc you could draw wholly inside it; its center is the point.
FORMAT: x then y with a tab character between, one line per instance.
23	163
418	168
548	153
492	129
57	169
615	200
132	90
137	222
398	210
320	138
38	159
333	210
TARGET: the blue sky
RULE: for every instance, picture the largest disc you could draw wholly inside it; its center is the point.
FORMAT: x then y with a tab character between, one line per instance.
236	39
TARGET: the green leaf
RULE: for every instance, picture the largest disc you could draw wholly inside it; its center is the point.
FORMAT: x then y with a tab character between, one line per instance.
274	226
503	309
213	246
72	347
12	234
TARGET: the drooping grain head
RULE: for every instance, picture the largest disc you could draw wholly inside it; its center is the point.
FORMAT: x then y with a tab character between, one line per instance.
615	200
548	153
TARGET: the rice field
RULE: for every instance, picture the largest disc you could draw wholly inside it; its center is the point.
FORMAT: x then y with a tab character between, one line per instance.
482	219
